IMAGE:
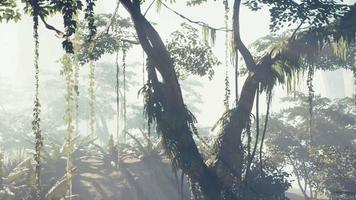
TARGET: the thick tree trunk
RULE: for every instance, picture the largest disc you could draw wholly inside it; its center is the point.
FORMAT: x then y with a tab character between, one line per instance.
178	134
230	152
186	155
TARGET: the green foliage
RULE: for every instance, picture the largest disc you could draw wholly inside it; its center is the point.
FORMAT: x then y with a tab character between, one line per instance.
195	2
9	11
69	9
89	17
313	13
335	167
326	47
209	34
118	36
69	118
159	4
335	120
227	43
36	127
191	57
227	92
169	123
310	100
222	123
321	162
270	185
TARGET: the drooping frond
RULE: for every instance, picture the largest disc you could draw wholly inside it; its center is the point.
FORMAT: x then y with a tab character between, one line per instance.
327	47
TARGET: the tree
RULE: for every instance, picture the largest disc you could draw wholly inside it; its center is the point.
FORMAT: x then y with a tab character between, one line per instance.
323	22
263	74
323	163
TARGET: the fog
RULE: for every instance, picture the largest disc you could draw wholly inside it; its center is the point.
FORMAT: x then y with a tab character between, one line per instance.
143	175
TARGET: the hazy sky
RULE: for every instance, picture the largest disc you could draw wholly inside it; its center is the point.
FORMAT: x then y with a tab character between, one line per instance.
16	55
16	59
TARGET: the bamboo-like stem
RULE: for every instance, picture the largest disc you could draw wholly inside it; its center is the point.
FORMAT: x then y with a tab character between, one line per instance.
91	92
36	126
117	88
124	92
227	83
68	118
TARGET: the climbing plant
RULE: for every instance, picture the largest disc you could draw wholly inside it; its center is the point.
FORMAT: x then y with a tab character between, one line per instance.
1	168
36	126
227	60
320	22
69	118
91	92
124	92
117	90
310	100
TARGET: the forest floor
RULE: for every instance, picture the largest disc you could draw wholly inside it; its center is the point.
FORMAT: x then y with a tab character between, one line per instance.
133	180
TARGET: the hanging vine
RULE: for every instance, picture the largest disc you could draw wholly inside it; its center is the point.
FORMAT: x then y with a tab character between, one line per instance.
1	169
249	138
76	97
75	63
269	99
36	126
227	83
89	17
68	118
117	88
145	123
124	92
91	92
310	99
257	132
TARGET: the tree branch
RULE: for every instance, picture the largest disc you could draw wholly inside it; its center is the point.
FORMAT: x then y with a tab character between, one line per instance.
106	29
297	175
50	27
200	23
246	54
295	31
149	7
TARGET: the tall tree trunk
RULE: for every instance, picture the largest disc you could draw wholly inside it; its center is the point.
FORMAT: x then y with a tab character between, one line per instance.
177	134
230	152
